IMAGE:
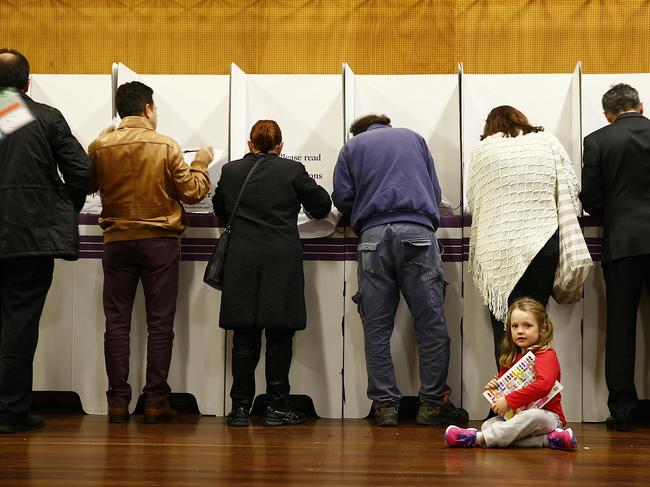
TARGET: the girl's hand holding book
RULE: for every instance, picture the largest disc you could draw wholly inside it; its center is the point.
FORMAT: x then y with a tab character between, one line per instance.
492	384
500	406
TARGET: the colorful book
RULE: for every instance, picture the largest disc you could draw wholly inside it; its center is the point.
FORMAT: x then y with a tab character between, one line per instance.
521	374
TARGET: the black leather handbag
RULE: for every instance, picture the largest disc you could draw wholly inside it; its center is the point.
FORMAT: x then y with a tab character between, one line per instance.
215	270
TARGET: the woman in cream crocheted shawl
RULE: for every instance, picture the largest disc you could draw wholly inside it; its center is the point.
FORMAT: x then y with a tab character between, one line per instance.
514	247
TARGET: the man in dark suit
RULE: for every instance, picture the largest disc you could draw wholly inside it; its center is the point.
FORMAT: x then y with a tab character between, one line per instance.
616	186
44	177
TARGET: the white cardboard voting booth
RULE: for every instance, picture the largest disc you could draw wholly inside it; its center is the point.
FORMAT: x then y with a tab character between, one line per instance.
309	111
193	110
429	105
595	311
68	358
553	101
314	112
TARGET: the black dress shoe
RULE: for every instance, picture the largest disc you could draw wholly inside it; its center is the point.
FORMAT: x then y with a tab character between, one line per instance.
619	424
31	422
238	416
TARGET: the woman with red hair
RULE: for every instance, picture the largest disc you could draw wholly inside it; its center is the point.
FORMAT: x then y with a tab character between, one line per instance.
263	281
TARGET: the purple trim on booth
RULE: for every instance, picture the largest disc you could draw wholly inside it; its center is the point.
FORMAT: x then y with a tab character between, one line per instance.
326	249
204	220
590	221
451	221
88	219
595	246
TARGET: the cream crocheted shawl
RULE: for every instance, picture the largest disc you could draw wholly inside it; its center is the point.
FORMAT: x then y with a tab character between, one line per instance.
511	195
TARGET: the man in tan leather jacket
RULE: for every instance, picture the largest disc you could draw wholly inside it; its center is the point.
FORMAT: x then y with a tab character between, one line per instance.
142	179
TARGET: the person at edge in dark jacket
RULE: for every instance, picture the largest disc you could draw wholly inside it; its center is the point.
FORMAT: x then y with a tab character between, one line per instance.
44	174
385	182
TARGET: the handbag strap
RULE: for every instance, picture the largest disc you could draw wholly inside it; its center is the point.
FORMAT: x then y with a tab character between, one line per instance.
241	191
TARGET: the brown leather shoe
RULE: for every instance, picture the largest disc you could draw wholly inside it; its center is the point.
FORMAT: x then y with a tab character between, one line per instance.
159	415
118	415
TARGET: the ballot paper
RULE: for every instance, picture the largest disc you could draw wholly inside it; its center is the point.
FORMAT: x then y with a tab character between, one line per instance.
317	228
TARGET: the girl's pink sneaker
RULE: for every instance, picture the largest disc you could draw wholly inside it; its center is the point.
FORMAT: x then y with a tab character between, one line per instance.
562	439
456	437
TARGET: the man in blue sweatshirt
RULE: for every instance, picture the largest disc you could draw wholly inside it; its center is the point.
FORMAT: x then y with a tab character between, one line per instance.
386	184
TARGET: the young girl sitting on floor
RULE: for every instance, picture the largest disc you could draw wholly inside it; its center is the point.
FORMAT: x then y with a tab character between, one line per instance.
529	330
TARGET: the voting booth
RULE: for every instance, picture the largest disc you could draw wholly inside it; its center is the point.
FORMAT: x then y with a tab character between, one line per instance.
595	309
314	113
309	111
68	358
553	101
427	104
193	110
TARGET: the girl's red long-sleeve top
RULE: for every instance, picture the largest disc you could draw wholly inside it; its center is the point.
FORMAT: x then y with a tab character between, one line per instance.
547	371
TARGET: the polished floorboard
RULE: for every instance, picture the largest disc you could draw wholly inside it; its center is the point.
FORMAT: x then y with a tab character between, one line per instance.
80	450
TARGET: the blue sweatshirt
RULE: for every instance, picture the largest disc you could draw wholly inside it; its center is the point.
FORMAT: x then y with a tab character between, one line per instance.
386	175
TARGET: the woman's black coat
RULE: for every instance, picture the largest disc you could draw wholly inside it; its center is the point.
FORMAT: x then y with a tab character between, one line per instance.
264	281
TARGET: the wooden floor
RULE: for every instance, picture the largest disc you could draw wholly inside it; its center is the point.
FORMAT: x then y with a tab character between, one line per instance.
79	450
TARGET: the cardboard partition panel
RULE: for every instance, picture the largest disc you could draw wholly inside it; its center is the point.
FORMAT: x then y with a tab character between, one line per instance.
315	112
85	102
429	105
595	319
309	111
550	100
194	111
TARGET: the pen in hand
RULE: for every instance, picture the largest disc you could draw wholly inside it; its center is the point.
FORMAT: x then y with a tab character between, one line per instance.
204	153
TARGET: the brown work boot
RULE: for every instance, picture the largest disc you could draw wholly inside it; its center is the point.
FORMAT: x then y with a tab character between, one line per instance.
387	414
118	415
162	414
446	413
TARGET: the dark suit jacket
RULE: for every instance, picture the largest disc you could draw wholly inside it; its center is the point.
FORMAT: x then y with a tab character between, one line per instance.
616	184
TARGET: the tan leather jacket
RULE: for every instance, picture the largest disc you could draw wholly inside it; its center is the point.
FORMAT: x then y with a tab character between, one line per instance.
142	177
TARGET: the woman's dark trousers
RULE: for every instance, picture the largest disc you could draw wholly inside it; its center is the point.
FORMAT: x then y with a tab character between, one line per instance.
246	347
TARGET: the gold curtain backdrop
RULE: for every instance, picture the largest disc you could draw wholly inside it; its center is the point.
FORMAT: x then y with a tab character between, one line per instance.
317	36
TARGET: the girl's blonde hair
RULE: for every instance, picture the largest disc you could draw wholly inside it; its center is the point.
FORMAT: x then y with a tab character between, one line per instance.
509	349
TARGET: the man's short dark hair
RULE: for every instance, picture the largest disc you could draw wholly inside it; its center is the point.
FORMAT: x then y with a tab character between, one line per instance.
360	125
620	98
14	70
131	98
